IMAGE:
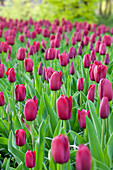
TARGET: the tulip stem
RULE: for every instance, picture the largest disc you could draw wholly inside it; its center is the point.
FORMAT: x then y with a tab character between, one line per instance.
86	89
12	91
80	99
103	129
20	107
107	130
55	101
64	124
32	134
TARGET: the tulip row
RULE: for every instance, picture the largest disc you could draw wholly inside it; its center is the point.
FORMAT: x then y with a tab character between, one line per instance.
65	103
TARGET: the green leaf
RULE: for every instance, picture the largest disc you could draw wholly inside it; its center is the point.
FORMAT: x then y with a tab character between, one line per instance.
111	123
51	112
52	164
57	130
4	128
109	147
109	67
100	165
12	105
95	148
20	166
96	122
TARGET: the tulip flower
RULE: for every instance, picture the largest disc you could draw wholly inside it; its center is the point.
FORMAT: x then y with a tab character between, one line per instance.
73	41
83	158
82	119
91	46
21	54
91	70
86	61
100	72
40	69
64	107
2	70
105	89
21	38
33	35
102	49
31	50
30	159
20	137
107	40
30	110
92	39
86	40
11	40
104	108
82	43
91	92
80	84
60	149
44	70
28	65
72	69
78	36
1	48
93	55
37	45
20	92
11	75
63	59
97	45
106	60
57	53
48	74
2	100
56	81
5	47
51	54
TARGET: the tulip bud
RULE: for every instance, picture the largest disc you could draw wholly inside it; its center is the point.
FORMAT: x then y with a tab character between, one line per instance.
8	57
105	89
72	69
5	47
91	92
30	110
78	36
30	159
100	72
21	54
60	144
7	108
83	158
86	61
11	40
73	41
44	70
20	92
2	100
33	35
2	70
81	117
93	55
64	107
1	48
86	40
21	38
56	81
102	49
63	59
28	65
107	40
82	43
57	43
91	46
97	45
40	69
57	53
48	74
80	84
31	50
104	108
80	50
106	60
92	39
20	137
11	75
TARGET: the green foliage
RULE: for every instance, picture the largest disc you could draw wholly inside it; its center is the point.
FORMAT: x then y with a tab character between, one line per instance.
50	9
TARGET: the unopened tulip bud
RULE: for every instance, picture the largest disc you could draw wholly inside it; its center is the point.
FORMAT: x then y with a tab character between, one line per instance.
91	92
21	54
63	59
107	40
72	69
86	61
100	72
106	60
93	55
80	84
102	49
20	92
97	45
2	100
30	159
40	69
104	108
82	119
56	81
28	65
11	75
80	50
2	70
20	137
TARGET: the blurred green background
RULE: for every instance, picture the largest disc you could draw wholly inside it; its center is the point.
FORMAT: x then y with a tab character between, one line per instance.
99	11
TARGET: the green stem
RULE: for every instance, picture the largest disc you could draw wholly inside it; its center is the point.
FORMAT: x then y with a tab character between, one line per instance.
107	130
64	124
55	101
80	99
12	91
86	89
32	135
102	138
20	107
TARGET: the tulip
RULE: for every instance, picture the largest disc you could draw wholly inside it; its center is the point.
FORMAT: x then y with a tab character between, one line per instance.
2	100
33	35
52	44
100	72
82	43
31	50
112	31
21	54
48	74
28	65
80	50
91	92
105	89
91	46
8	57
57	53
83	158
91	70
40	69
57	43
60	149
92	39
30	159
30	110
86	40
80	84
51	54
86	61
44	70
36	102
20	92
104	108
78	36
107	40
20	137
10	40
21	38
56	81
63	59
11	75
106	60
102	49
5	47
1	48
82	119
2	70
97	45
72	69
37	45
93	55
73	41
64	107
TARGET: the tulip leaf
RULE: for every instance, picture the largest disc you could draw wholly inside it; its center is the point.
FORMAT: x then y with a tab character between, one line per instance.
40	147
57	130
111	123
94	143
51	112
109	67
19	156
109	147
20	166
100	165
4	128
12	105
96	122
52	164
